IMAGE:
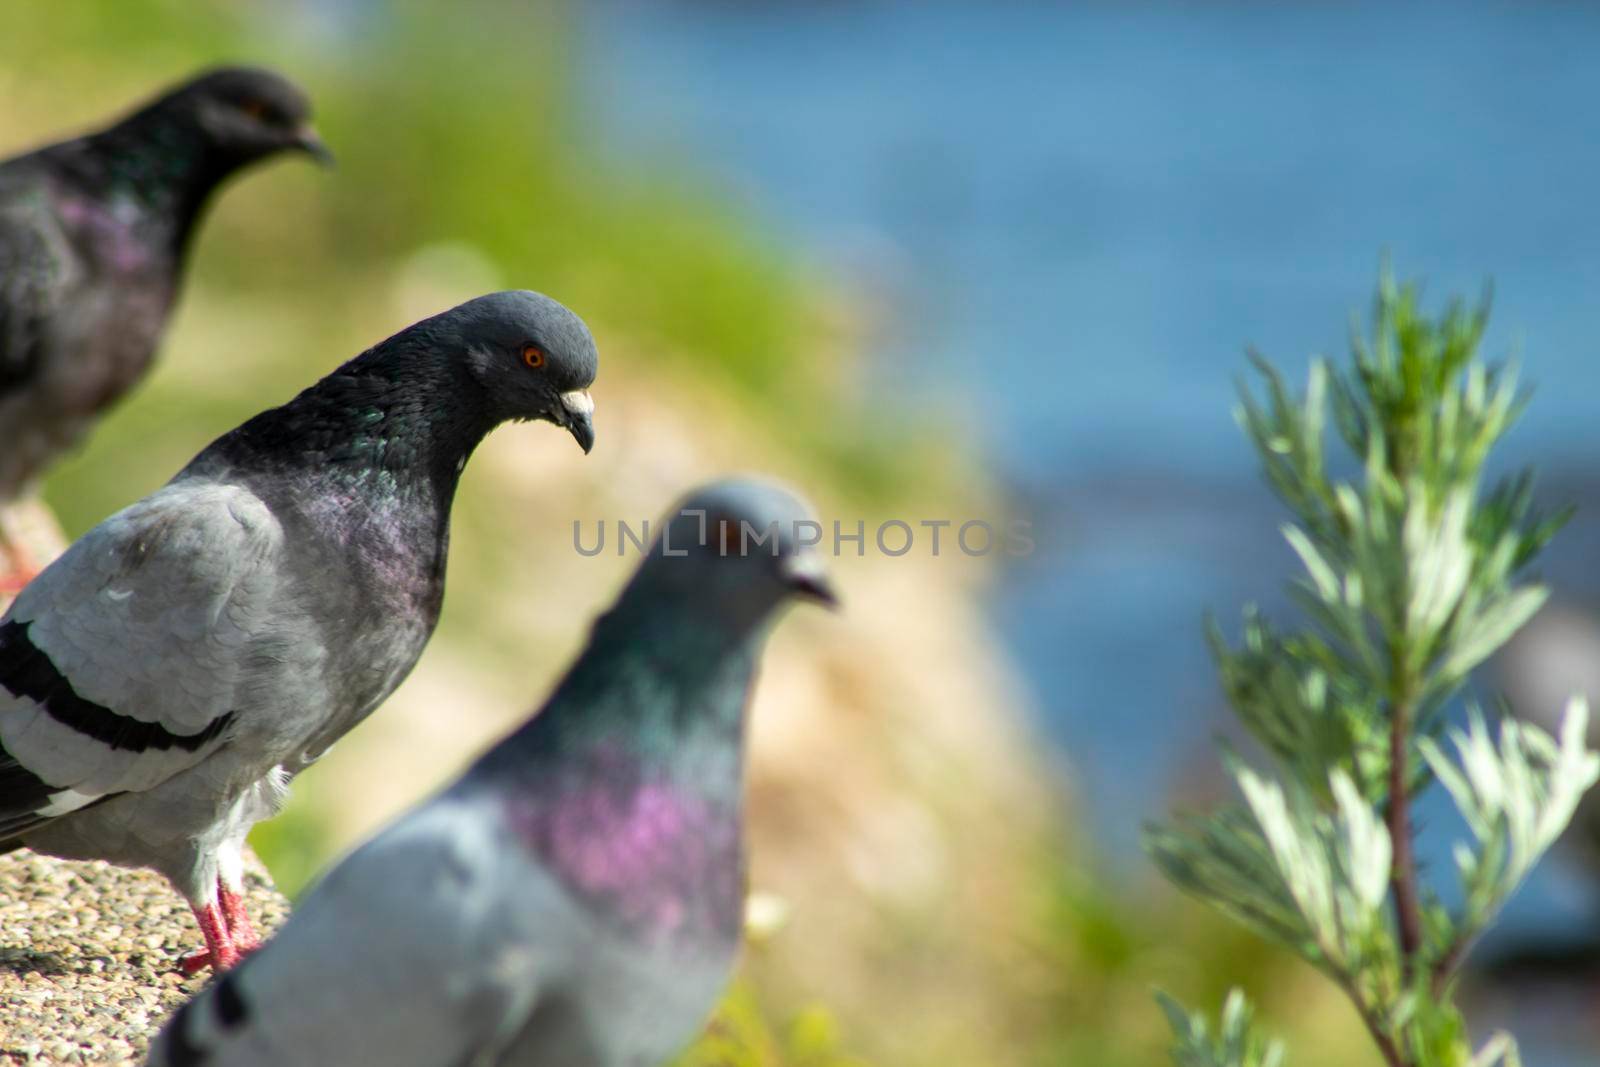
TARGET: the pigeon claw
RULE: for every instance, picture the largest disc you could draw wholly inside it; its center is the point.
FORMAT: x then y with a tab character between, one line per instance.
241	932
224	949
192	963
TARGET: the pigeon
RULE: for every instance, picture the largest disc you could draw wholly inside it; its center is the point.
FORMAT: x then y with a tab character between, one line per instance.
164	678
576	898
93	236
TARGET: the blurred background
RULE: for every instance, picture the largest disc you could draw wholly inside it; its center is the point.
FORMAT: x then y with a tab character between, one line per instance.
926	260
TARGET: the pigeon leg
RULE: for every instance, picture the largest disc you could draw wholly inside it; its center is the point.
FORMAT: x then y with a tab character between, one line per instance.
20	567
240	930
219	953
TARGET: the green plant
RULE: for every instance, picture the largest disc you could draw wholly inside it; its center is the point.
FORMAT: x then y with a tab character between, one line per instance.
741	1034
1412	578
1235	1043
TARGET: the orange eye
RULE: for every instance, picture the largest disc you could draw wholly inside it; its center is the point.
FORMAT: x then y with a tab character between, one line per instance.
255	109
533	356
729	537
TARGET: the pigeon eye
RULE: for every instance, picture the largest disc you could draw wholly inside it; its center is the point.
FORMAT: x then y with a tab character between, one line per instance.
729	538
533	356
256	109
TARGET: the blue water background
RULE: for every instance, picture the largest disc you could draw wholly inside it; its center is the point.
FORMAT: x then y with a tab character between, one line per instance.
1081	215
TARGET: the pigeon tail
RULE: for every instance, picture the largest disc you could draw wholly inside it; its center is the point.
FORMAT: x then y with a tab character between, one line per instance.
23	795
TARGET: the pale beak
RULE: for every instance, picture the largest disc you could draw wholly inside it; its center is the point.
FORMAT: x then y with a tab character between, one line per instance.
578	417
806	575
307	140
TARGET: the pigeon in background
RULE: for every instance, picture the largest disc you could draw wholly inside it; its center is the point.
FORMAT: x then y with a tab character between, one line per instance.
163	679
576	898
93	237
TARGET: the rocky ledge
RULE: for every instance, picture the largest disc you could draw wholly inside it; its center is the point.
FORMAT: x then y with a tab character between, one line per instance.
88	957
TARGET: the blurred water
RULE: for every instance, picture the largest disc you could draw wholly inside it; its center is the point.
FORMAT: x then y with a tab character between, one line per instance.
1084	214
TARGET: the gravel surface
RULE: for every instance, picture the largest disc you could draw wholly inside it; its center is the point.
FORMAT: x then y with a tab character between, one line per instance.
88	956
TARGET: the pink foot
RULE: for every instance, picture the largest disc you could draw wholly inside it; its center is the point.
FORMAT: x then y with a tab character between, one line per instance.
19	566
229	934
17	578
219	953
240	929
192	963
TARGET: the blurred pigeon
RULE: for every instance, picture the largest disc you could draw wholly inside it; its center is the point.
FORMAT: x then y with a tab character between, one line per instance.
93	236
576	899
163	679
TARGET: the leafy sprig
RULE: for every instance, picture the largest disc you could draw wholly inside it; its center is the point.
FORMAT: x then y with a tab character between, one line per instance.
1412	578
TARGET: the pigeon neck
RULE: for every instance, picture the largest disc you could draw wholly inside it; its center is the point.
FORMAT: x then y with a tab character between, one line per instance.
388	425
166	165
665	686
628	787
702	668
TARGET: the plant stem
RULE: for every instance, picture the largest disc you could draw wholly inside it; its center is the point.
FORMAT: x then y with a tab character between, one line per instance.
1369	1016
1403	878
1385	1043
1446	967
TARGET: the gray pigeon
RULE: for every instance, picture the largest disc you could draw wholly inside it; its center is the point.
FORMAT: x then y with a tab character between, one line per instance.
162	681
576	899
93	236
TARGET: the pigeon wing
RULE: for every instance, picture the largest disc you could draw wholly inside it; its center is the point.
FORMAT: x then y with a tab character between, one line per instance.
125	662
403	955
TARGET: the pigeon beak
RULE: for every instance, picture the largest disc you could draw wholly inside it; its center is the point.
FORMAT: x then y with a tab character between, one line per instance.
578	411
805	576
307	140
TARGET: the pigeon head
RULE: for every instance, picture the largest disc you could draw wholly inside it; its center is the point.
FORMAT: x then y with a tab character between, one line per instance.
532	358
244	114
740	547
416	405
